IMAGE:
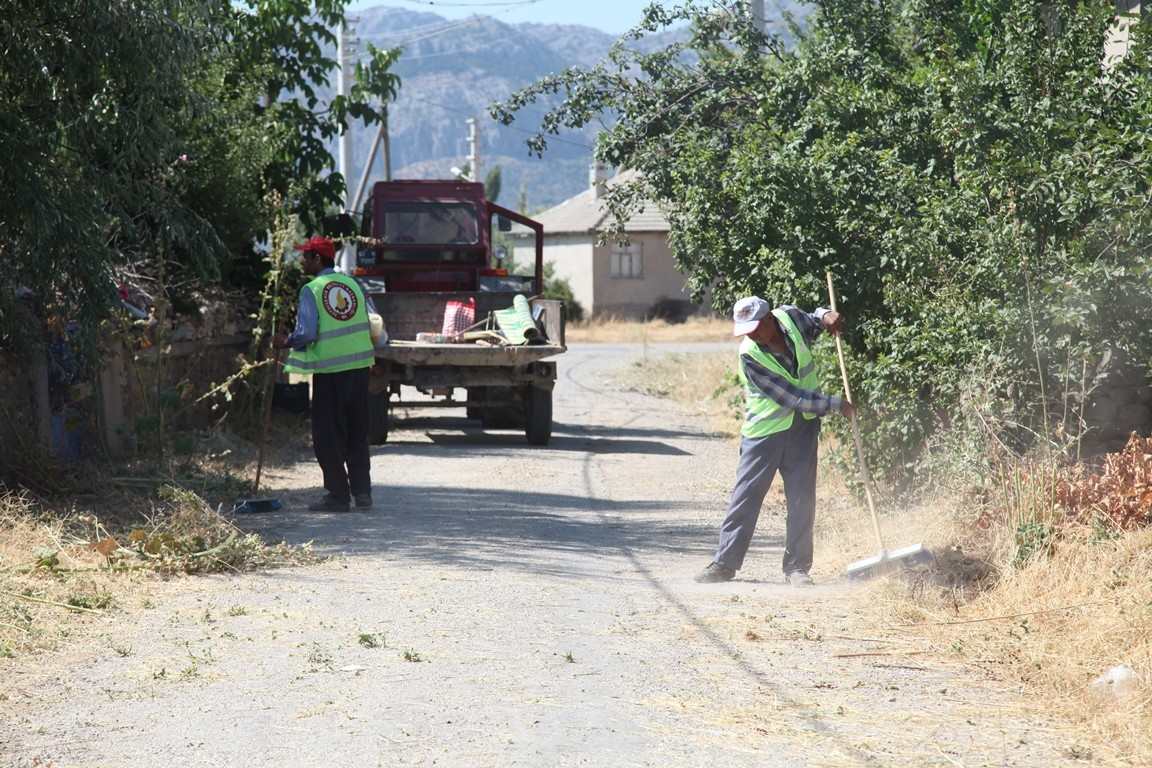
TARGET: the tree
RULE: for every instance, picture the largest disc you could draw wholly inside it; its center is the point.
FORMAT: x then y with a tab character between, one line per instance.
91	145
275	58
150	133
971	172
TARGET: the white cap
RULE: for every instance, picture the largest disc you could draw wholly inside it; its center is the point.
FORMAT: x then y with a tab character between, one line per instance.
748	313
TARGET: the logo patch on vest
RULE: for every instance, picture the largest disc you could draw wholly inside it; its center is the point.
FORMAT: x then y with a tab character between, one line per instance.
340	301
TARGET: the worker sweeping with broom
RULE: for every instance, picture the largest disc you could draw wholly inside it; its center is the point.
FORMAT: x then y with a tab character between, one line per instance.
780	434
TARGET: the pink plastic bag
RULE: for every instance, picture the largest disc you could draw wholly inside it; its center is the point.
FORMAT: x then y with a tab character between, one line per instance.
459	316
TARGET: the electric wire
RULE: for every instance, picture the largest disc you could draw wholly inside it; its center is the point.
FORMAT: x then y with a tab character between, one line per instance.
483	4
560	139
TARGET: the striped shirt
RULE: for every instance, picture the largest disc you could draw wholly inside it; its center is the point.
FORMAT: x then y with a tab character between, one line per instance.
780	389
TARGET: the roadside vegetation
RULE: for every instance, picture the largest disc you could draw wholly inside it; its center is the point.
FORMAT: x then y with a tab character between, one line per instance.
152	148
625	331
1041	574
95	545
145	141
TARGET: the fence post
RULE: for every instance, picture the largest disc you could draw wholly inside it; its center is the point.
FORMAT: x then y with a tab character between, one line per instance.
112	413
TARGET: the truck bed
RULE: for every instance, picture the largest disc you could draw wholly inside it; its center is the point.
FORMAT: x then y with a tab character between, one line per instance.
407	314
417	353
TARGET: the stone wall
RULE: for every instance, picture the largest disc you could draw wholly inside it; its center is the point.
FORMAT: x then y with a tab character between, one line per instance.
144	368
49	400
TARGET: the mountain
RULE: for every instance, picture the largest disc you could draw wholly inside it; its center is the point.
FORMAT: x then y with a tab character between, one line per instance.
452	70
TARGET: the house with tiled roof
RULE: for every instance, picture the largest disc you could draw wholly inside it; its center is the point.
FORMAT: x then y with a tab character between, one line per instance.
634	279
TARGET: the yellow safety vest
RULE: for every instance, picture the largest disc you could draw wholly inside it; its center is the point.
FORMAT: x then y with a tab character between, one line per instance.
764	416
343	340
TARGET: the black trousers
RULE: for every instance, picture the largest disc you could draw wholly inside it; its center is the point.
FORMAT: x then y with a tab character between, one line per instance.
340	431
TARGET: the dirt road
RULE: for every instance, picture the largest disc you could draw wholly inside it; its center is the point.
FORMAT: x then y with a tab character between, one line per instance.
509	606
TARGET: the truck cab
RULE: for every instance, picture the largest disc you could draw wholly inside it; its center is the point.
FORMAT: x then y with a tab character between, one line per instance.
436	236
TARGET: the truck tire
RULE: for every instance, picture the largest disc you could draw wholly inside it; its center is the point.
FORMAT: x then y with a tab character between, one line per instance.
378	418
538	415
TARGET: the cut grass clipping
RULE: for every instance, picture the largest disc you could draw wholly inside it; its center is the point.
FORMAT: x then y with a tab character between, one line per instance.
56	566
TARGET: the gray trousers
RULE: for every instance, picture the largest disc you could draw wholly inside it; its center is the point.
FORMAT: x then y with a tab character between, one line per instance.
793	453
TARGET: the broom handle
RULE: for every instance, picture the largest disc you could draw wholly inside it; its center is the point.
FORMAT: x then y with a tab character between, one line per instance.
865	475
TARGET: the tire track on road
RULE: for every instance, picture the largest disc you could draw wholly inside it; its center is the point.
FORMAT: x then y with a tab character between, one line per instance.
593	467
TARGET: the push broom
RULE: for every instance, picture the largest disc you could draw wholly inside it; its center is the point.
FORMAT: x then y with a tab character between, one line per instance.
886	559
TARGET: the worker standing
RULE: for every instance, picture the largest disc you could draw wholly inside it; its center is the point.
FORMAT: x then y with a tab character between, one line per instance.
332	343
781	432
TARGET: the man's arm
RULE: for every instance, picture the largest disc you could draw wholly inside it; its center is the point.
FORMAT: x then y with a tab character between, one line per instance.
810	324
307	321
788	394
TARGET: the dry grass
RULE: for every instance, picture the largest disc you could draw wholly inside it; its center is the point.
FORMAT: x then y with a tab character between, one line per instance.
617	331
60	568
29	538
704	382
1055	625
1052	614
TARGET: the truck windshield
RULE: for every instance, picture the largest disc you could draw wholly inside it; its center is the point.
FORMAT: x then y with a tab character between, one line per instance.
430	224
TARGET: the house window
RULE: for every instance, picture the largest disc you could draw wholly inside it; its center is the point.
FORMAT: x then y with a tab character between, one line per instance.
627	260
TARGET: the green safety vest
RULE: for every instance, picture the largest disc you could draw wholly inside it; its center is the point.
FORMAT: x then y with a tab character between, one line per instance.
763	415
343	338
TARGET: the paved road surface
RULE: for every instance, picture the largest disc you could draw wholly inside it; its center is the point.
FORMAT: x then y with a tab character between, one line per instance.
530	607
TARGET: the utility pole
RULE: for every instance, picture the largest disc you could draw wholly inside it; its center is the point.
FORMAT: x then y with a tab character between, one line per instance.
381	140
345	54
473	150
387	147
342	82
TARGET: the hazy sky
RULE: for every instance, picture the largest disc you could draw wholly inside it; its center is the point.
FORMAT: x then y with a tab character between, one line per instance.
609	15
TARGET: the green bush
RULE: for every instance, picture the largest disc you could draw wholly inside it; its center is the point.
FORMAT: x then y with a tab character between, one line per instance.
971	172
558	288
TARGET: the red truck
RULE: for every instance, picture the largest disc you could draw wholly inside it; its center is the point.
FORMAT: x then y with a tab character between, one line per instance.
431	244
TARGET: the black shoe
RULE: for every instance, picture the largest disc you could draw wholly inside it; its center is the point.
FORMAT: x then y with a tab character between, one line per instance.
798	579
363	499
329	503
714	574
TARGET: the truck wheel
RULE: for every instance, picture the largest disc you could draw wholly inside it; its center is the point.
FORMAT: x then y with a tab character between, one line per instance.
538	415
378	418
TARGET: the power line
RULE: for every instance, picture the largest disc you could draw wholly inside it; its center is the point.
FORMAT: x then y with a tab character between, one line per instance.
474	5
439	78
509	127
423	33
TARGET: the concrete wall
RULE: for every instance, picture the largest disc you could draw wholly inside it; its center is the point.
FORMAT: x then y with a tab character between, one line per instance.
25	426
588	269
635	297
1119	404
571	257
1119	40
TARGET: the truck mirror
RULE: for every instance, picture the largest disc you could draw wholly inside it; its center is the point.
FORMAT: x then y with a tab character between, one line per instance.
339	225
503	223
